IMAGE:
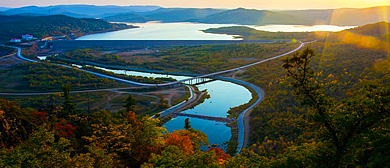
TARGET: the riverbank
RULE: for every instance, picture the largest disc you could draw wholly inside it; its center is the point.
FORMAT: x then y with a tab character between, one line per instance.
243	121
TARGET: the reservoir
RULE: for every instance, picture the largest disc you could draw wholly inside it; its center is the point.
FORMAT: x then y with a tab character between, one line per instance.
223	96
192	31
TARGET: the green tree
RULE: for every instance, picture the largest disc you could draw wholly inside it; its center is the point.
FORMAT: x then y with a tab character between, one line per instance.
15	124
187	124
133	139
345	126
68	107
40	150
130	102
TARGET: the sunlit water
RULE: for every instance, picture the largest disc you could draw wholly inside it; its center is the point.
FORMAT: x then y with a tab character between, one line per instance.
301	28
223	96
217	132
163	31
192	31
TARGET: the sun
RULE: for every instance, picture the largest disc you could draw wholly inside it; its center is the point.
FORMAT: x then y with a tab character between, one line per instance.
369	3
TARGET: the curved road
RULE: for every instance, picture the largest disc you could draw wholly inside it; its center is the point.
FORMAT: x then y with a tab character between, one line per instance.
175	82
243	119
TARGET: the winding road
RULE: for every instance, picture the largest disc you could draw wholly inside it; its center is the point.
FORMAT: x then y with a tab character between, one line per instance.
243	119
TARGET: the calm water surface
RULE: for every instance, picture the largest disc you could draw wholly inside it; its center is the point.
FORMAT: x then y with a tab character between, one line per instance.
163	31
223	96
301	28
217	132
191	31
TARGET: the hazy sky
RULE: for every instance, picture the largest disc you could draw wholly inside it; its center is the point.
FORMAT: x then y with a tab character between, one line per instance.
255	4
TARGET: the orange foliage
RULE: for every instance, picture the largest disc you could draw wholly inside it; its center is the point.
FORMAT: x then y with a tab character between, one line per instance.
64	130
220	154
131	118
40	115
183	142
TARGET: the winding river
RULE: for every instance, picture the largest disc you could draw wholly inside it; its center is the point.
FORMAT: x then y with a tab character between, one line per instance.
219	103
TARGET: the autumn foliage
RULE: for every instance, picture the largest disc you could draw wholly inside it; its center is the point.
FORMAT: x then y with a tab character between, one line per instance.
183	142
64	130
220	154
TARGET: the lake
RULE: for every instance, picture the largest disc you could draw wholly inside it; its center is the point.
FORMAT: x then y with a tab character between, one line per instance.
192	31
162	31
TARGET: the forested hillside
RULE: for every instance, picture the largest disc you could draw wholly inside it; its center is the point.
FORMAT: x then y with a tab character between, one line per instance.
43	26
248	33
325	106
164	15
250	17
48	77
81	11
325	130
314	114
136	14
376	29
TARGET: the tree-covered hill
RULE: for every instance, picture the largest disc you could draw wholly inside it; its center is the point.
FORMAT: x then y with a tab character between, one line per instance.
341	17
248	33
164	15
327	131
81	11
43	26
127	17
250	17
376	29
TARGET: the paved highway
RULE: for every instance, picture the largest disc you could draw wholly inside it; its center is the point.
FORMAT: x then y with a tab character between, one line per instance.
175	82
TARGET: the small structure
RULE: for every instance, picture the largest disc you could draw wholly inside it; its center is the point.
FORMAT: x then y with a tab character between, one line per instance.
72	36
27	37
59	37
15	40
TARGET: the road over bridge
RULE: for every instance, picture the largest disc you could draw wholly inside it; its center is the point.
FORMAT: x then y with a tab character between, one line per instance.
175	83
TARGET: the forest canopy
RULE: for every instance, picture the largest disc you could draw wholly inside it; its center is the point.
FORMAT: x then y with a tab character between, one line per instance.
15	26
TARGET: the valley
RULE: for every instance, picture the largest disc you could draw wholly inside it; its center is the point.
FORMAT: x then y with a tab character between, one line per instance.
148	86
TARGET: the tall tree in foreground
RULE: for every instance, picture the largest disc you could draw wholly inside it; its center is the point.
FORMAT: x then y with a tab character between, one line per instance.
130	102
187	124
347	127
68	107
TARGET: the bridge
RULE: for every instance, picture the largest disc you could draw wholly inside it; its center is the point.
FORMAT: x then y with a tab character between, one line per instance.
219	119
192	80
197	78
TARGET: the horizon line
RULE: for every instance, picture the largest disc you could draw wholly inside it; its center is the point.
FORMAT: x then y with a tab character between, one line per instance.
162	6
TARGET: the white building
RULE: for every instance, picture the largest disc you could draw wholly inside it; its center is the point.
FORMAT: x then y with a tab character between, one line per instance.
15	40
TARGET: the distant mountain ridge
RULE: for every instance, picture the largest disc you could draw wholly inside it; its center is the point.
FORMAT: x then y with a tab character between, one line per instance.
344	16
377	29
136	14
4	8
86	11
164	15
43	26
250	17
340	17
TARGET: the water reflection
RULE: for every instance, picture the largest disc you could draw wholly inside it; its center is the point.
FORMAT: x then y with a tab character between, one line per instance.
191	31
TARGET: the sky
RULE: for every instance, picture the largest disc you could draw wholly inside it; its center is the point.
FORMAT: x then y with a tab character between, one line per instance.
251	4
